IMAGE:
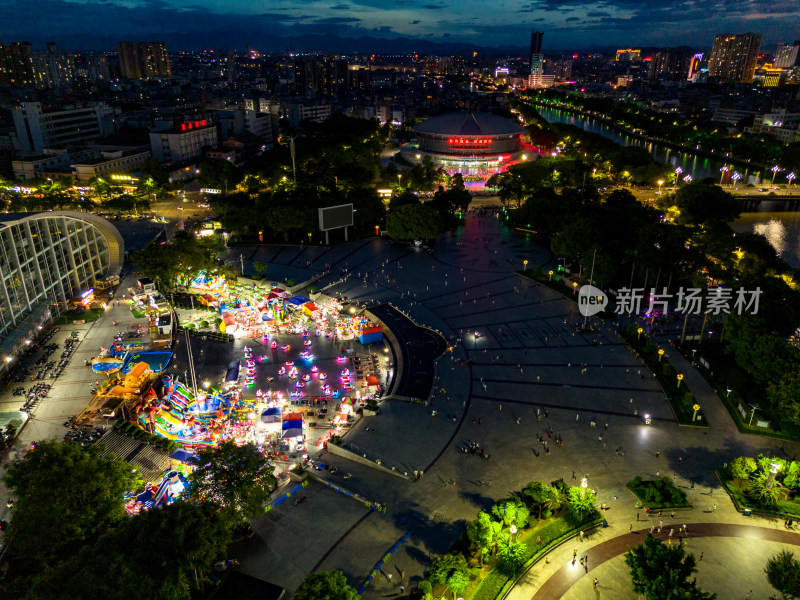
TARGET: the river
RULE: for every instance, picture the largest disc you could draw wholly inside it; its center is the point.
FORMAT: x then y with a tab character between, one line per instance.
782	229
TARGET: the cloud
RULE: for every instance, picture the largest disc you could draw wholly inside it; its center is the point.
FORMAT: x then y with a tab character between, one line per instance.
433	6
570	19
415	22
340	7
337	20
597	13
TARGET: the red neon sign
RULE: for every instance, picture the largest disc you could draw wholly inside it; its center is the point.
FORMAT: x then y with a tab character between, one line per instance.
183	126
469	141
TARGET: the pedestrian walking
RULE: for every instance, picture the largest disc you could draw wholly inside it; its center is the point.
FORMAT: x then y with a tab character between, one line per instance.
577	416
660	524
672	515
595	583
658	453
581	535
637	516
402	589
630	527
670	531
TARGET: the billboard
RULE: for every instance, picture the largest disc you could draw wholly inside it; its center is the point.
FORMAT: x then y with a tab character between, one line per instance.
335	217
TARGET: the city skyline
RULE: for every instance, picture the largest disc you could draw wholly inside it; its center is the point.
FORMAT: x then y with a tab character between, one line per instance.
280	25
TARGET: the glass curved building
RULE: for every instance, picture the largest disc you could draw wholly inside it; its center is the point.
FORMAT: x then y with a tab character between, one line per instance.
48	258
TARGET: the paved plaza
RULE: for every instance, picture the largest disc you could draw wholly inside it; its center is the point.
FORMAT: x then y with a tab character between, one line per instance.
527	361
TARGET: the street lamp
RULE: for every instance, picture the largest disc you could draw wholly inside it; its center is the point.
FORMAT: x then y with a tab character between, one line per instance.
680	378
678	172
660	354
688	178
660	183
525	264
729	393
736	177
584	488
773	473
550	273
722	172
696	409
513	530
574	287
639	331
774	170
790	177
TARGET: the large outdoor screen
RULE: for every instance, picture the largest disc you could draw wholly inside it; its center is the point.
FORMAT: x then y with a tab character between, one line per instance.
335	217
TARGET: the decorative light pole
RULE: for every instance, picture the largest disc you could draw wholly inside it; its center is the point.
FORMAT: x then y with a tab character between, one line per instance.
736	177
773	473
752	414
680	378
660	183
639	331
525	264
660	354
687	179
584	488
678	172
722	172
774	170
550	273
696	409
574	287
790	177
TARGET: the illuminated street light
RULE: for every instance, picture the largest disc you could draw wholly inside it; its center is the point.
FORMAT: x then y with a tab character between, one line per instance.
688	178
722	172
680	378
660	183
584	487
790	177
660	354
639	331
736	177
774	170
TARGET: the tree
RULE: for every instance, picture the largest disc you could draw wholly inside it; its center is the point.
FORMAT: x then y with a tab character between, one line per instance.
260	267
512	557
234	476
741	467
783	573
759	352
219	174
458	582
760	491
537	493
413	222
183	541
661	572
482	532
152	169
784	394
702	203
65	494
445	565
582	507
325	585
511	511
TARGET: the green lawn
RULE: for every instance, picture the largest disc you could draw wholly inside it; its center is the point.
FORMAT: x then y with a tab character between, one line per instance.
91	314
788	508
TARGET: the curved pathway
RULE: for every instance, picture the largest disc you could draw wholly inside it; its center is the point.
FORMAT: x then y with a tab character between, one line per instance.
559	583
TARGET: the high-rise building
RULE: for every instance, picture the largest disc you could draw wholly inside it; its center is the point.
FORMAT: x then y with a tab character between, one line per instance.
537	70
628	54
184	143
54	68
786	55
144	60
536	47
321	76
733	56
16	64
670	64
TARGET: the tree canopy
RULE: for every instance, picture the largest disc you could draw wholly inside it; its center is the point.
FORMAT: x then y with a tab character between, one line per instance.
65	494
325	585
661	572
234	476
783	573
413	222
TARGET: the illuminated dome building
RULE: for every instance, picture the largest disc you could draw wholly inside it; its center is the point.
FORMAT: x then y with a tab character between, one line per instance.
476	145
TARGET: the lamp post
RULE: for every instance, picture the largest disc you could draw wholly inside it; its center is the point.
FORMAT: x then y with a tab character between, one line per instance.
550	273
525	264
574	287
722	172
773	473
696	409
729	390
639	331
774	170
790	177
736	177
513	531
584	488
660	182
687	179
680	378
660	354
678	172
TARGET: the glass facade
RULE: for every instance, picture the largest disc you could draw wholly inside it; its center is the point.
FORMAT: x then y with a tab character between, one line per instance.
52	257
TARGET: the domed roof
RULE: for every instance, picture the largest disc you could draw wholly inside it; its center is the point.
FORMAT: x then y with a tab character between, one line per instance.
469	123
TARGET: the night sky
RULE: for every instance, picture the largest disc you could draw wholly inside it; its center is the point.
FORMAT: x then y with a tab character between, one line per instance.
568	24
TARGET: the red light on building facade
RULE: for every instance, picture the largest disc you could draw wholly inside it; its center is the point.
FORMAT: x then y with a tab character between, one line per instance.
203	122
183	126
190	125
456	142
